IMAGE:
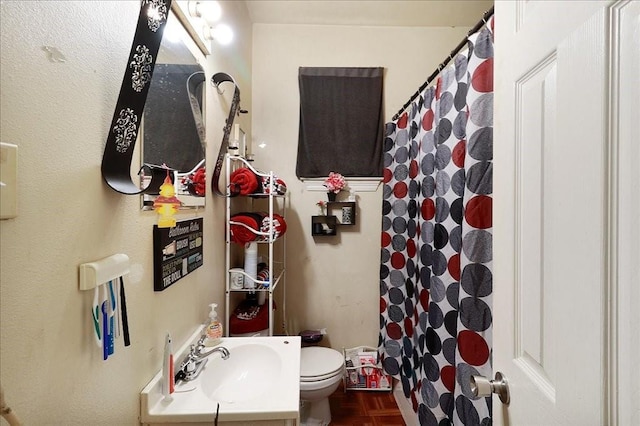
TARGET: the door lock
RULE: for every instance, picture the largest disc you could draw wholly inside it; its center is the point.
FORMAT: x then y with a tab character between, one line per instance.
481	386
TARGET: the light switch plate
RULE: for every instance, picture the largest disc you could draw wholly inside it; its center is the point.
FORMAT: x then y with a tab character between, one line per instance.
8	180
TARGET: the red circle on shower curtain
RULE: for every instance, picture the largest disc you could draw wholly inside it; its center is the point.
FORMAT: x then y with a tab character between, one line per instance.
402	121
473	348
457	156
386	239
411	248
394	330
383	305
397	260
427	120
424	300
479	211
482	80
387	174
400	190
454	267
448	375
428	209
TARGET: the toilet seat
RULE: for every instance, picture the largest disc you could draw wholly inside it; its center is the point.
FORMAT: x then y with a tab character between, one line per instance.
319	364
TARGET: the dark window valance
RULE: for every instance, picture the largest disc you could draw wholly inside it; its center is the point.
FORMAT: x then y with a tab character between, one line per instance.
341	122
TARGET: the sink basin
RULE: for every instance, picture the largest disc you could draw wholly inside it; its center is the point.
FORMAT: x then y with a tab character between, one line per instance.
259	381
249	373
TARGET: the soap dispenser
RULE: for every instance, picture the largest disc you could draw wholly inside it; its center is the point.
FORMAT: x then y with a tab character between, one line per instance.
214	327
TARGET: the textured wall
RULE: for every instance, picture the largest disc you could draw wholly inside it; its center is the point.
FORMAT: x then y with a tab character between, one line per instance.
58	114
333	282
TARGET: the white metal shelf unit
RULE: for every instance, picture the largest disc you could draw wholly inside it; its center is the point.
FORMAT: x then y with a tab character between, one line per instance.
276	267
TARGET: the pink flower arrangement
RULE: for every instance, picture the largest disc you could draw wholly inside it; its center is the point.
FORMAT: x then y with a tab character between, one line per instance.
335	182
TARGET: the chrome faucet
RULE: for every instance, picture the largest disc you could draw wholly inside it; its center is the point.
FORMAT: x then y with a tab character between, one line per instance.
192	364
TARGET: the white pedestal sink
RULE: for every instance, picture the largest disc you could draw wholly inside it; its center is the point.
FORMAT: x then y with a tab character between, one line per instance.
258	384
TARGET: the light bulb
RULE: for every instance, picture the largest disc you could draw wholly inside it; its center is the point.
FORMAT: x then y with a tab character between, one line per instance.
210	10
223	34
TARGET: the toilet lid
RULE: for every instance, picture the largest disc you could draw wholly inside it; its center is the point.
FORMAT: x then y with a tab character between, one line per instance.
316	361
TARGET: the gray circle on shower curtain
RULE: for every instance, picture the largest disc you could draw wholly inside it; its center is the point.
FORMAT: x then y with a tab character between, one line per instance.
401	172
429	393
477	245
442	210
428	186
443	131
396	314
423	321
414	189
446	103
484	45
482	110
457	182
399	207
402	137
438	263
437	290
389	128
399	225
387	159
477	280
426	254
443	156
428	95
460	100
480	146
386	223
428	142
447	77
387	193
384	255
453	295
396	278
460	125
455	238
443	183
449	350
401	155
392	348
428	164
427	232
396	296
475	314
460	62
480	178
398	242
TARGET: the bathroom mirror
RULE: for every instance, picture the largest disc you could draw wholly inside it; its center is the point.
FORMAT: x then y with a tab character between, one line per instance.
172	129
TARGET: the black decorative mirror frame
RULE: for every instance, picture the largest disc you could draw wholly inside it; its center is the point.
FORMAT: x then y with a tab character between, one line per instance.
123	132
173	129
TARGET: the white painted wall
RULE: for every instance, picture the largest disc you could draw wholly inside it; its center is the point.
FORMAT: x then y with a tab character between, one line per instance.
59	114
333	282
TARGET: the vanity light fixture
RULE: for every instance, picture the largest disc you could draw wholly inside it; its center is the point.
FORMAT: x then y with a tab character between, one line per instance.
222	33
208	10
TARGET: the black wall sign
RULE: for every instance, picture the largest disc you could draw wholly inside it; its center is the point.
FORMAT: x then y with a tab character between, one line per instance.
176	252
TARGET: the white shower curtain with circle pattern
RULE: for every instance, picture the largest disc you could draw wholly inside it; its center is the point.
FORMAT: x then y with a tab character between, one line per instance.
436	272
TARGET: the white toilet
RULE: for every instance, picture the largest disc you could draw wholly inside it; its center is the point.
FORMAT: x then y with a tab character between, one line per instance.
321	370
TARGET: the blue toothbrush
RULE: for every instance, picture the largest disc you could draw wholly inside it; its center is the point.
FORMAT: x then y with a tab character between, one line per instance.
105	331
112	307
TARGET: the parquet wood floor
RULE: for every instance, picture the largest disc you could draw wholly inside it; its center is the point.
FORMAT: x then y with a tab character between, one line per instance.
364	408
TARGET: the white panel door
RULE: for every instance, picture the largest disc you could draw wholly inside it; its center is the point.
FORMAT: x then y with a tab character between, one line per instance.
555	204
